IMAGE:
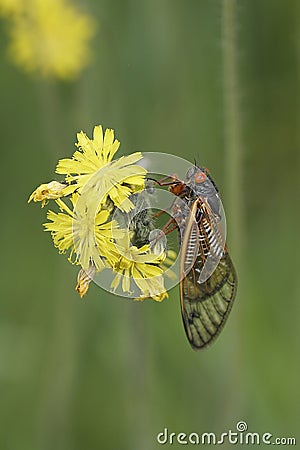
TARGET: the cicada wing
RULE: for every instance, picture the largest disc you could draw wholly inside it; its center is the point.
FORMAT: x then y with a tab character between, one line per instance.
205	306
209	288
211	240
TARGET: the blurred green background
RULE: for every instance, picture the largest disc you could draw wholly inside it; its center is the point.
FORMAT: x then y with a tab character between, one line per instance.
109	373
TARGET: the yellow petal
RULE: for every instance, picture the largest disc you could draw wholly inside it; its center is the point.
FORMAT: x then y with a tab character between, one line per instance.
102	217
116	281
82	139
108	137
98	136
126	282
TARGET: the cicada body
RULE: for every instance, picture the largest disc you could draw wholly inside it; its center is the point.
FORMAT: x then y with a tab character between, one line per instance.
208	278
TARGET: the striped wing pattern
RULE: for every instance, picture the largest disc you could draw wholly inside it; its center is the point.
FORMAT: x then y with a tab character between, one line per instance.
205	305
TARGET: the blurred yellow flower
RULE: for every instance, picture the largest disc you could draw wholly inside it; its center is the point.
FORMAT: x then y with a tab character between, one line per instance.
47	191
141	266
116	179
51	38
89	238
10	7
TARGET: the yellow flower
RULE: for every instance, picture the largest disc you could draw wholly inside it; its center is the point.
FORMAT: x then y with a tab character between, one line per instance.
92	167
51	38
89	238
10	7
140	265
48	191
92	155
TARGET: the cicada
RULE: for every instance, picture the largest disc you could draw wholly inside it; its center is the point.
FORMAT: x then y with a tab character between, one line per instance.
208	279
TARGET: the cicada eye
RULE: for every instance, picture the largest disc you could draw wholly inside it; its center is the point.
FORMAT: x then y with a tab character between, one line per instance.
200	177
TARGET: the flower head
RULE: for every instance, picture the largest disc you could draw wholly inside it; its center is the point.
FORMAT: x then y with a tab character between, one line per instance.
83	280
50	37
141	266
47	191
92	166
89	238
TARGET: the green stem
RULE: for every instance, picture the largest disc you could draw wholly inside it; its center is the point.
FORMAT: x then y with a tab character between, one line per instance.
233	140
51	118
61	360
137	373
233	196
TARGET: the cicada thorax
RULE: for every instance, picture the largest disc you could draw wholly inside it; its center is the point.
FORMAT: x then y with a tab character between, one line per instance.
200	231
